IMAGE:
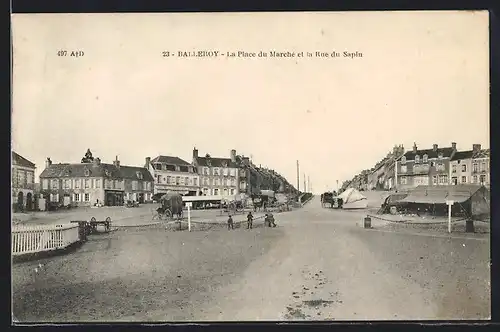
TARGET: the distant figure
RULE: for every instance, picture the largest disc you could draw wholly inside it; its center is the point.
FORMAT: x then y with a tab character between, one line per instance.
270	220
250	220
230	223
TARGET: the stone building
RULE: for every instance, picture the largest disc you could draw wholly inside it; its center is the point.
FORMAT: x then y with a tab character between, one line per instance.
22	182
424	166
172	174
471	167
218	176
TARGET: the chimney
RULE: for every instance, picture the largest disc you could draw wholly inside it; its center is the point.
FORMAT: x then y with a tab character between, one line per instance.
195	153
476	148
48	162
454	146
148	162
414	147
116	162
233	155
434	147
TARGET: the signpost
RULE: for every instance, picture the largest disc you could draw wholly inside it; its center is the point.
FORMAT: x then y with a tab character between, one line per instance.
450	204
189	204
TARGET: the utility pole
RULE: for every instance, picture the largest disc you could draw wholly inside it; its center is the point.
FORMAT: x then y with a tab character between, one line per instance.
298	177
305	183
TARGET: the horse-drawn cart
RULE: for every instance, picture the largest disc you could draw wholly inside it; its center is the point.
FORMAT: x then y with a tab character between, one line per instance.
171	205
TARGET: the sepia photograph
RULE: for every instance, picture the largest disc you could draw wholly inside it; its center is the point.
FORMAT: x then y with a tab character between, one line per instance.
263	166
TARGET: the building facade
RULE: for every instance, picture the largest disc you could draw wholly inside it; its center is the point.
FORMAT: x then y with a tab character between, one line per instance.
138	183
218	176
172	174
424	167
471	167
82	184
23	182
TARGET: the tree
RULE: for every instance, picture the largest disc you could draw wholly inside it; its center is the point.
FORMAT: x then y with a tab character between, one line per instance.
88	157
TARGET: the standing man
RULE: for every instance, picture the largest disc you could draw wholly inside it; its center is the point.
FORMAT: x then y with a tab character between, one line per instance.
250	220
230	223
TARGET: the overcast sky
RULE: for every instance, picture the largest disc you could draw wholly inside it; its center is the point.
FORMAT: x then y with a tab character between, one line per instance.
423	77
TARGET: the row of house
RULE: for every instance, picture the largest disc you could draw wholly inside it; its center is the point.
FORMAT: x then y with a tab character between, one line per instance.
430	166
93	182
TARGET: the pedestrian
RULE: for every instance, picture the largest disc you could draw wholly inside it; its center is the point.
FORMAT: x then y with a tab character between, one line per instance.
271	220
250	220
230	223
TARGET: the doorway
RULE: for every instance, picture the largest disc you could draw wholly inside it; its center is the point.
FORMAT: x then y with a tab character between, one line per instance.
20	200
29	202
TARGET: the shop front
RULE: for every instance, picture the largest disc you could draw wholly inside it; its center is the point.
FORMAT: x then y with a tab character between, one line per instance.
113	198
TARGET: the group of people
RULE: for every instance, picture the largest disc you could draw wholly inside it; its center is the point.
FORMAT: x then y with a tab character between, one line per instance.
268	221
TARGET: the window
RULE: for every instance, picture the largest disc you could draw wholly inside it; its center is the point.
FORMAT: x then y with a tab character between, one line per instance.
474	167
177	180
216	171
216	192
403	180
55	184
425	158
45	184
186	181
233	182
226	172
225	191
77	197
98	183
205	181
115	184
464	179
77	184
86	172
87	197
403	159
66	184
190	170
205	170
232	191
195	181
440	167
454	180
464	168
443	179
29	177
483	166
139	175
403	168
453	168
417	158
482	179
86	183
177	168
134	185
54	197
216	182
440	156
168	179
434	179
474	179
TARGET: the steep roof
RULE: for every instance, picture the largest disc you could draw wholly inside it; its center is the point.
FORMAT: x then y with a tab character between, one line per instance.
170	160
216	162
447	153
21	161
132	173
79	170
462	155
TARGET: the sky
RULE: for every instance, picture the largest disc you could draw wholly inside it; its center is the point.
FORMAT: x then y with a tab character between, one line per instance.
423	77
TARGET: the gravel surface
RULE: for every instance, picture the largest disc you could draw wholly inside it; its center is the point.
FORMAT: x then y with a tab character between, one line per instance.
318	264
139	274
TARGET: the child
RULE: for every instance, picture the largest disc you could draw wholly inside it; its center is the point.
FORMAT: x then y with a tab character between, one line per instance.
230	223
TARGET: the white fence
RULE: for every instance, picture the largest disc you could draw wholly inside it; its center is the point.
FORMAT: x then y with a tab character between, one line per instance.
33	239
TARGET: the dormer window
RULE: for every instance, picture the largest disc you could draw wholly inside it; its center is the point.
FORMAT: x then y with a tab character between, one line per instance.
440	156
107	172
209	163
86	172
139	175
177	168
417	158
424	159
403	160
